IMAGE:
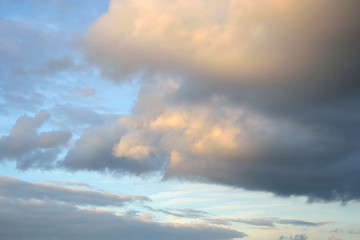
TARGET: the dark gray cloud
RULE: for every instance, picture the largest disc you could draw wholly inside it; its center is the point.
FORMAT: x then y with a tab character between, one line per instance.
30	220
18	189
30	149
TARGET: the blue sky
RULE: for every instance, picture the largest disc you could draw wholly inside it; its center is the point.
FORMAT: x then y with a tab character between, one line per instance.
185	119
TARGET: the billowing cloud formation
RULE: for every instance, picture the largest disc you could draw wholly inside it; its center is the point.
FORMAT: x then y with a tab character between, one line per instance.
219	143
233	39
262	96
15	188
36	221
28	147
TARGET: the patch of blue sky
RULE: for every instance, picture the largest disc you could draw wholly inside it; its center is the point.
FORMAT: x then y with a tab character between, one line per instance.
54	14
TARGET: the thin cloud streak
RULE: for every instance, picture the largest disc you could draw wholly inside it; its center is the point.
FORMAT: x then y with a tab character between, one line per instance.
15	188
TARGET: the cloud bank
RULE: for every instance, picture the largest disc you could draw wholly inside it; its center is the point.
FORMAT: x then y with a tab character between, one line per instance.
46	211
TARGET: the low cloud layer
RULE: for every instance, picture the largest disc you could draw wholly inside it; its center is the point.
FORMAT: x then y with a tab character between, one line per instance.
32	206
17	189
36	221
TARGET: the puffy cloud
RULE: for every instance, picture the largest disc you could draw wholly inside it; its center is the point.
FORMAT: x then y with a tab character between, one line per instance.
95	151
334	238
252	95
17	189
218	142
233	39
36	221
52	138
28	147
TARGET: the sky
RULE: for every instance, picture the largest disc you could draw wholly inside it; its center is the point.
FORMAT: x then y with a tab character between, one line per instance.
179	119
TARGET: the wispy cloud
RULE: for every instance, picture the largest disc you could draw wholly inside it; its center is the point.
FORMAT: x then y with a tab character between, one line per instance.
182	213
15	188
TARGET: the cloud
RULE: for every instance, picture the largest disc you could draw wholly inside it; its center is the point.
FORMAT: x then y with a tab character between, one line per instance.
70	115
181	213
28	55
334	238
70	183
98	143
18	189
231	40
36	221
219	142
253	95
37	53
30	149
299	222
263	222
